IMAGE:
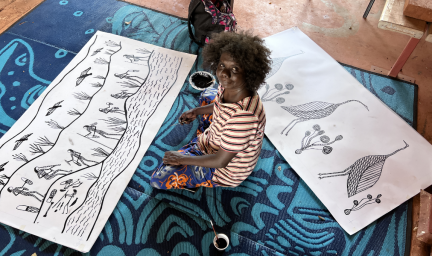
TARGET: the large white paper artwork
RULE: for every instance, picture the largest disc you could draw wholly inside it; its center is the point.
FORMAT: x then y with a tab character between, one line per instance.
67	160
358	156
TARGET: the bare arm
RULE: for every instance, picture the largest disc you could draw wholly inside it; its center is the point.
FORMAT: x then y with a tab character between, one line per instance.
192	114
219	160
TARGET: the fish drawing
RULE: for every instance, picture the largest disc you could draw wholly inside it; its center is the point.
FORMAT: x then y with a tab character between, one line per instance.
312	110
97	51
364	173
53	108
2	166
20	141
121	95
83	75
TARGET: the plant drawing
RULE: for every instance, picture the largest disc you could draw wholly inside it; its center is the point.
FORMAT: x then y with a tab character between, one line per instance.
365	201
324	141
274	93
364	173
312	110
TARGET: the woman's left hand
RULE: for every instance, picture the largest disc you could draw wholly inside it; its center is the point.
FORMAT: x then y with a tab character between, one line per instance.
172	158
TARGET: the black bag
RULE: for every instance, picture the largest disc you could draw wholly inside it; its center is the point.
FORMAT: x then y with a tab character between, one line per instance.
207	18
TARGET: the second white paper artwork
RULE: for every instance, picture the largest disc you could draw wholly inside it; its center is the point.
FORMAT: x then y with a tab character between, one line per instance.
68	159
358	156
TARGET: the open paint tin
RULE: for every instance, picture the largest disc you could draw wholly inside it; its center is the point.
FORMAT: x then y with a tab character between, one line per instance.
201	80
223	242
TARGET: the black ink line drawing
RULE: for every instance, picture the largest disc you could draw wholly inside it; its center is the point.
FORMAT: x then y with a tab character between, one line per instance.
44	104
121	95
24	191
36	149
83	75
119	129
76	158
50	201
82	96
365	201
111	43
133	58
130	84
131	81
97	51
277	63
53	108
274	93
52	195
143	51
44	142
20	157
81	222
20	141
111	110
43	100
126	75
312	110
97	85
49	208
74	112
57	206
101	61
116	124
324	141
53	124
100	152
93	129
364	173
2	166
66	184
99	77
27	208
70	183
48	173
74	202
110	52
90	176
2	183
94	141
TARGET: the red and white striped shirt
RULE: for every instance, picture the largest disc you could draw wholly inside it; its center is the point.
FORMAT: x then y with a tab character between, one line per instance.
236	128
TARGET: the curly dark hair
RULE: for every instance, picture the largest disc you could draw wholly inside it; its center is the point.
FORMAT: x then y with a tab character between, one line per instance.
247	50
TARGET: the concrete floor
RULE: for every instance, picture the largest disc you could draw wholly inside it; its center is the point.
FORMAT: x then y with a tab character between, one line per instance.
336	25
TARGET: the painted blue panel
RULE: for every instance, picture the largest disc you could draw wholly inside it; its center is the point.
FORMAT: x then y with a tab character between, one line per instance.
69	25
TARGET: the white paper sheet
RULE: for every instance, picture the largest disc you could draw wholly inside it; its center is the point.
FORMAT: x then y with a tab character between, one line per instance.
323	120
68	159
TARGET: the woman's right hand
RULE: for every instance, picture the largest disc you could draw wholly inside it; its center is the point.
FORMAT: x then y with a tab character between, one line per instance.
188	116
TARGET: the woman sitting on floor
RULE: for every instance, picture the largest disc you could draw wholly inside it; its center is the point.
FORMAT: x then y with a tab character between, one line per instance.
231	129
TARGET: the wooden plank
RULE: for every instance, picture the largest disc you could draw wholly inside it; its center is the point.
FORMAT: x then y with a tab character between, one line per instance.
418	9
12	11
403	57
392	19
400	76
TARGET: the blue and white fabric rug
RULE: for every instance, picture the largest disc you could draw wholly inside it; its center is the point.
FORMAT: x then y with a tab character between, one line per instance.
273	212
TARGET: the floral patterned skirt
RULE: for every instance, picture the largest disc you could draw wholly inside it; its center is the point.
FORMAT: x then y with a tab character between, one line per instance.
188	176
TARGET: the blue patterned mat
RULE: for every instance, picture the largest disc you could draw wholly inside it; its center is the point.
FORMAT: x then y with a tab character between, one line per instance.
272	213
